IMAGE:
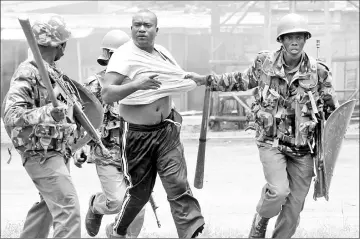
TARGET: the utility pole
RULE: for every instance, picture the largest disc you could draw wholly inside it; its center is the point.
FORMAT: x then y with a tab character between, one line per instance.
328	33
215	27
292	6
267	24
215	39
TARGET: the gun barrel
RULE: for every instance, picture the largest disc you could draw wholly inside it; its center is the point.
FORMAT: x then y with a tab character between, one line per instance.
317	48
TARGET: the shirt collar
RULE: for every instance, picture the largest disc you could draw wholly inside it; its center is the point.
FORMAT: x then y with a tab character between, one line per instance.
296	68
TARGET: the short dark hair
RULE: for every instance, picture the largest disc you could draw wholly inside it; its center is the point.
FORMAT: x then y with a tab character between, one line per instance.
148	11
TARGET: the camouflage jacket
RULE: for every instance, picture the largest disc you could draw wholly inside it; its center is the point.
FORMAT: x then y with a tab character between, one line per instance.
283	110
109	130
27	117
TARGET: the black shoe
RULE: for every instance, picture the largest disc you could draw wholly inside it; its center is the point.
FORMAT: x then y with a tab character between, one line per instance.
198	231
92	220
258	230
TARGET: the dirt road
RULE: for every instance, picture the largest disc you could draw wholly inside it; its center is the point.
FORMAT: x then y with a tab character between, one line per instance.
233	181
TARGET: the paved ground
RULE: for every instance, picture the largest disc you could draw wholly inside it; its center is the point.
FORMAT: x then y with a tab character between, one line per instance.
233	180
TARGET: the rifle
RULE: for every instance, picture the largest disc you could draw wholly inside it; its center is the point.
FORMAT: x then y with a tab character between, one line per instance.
318	51
68	94
154	207
317	48
319	155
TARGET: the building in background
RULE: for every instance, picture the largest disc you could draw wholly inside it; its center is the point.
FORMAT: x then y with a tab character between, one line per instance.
202	36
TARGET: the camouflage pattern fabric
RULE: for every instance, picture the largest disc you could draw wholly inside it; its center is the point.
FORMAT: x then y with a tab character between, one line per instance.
27	114
283	109
109	131
51	30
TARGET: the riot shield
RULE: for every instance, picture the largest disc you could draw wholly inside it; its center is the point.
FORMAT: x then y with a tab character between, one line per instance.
332	138
92	109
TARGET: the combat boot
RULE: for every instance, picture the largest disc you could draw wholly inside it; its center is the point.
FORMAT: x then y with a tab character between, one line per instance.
258	227
92	220
198	231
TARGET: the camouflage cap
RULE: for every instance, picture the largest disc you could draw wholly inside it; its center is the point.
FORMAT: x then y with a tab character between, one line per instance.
51	30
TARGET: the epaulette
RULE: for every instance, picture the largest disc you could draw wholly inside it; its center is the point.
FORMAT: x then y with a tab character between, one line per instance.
322	64
262	55
322	70
27	71
313	63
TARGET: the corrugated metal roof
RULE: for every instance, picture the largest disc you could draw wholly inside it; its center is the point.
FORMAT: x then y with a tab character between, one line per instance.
170	20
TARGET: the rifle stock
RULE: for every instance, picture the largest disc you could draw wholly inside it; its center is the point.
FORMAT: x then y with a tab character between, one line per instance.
200	163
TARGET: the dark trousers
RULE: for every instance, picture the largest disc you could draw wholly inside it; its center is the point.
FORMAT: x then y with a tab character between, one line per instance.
145	151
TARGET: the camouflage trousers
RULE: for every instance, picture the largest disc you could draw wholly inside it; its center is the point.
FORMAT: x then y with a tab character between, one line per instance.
110	200
59	205
288	180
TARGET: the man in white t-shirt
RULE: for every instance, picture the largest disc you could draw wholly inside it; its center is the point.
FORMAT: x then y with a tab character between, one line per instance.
150	131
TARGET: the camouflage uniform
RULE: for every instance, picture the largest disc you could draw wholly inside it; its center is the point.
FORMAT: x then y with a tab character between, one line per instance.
110	200
109	131
42	142
284	122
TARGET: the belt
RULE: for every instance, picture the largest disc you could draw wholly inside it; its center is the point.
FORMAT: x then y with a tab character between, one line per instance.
288	149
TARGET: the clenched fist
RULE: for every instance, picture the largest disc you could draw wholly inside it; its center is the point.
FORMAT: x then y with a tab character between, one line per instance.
80	156
59	113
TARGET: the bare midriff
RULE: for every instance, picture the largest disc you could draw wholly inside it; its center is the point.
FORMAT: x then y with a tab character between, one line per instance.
149	114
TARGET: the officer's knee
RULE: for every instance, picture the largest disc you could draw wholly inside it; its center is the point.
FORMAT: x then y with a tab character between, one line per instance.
72	205
115	205
178	186
282	193
76	204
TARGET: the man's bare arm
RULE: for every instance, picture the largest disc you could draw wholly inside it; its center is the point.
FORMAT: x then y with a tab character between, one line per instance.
115	89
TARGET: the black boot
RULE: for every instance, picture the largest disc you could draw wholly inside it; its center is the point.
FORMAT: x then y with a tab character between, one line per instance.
198	231
92	220
258	230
